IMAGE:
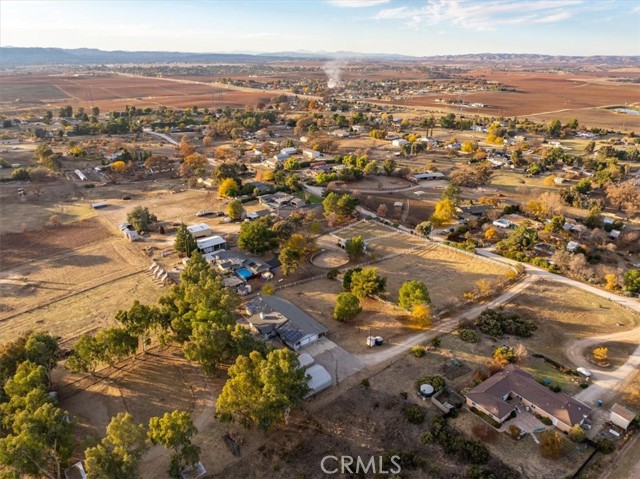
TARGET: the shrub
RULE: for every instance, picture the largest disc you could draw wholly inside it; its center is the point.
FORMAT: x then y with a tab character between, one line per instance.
551	445
435	342
577	434
504	355
365	383
347	307
515	431
555	387
426	438
268	290
468	335
605	446
332	273
496	323
414	414
418	351
545	420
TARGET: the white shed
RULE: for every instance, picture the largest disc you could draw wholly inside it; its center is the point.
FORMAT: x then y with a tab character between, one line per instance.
319	379
621	416
311	154
200	230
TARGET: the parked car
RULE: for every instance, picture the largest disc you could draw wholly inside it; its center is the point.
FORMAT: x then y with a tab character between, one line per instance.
584	371
204	213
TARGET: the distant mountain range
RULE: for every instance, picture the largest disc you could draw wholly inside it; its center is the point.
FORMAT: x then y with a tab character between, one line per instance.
19	56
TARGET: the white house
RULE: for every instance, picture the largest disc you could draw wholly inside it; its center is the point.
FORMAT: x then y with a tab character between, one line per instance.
200	230
289	151
211	243
400	142
311	154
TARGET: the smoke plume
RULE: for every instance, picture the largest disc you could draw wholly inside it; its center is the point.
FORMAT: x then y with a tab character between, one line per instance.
332	70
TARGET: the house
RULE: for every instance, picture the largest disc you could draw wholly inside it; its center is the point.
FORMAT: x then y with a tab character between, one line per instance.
200	230
297	331
230	262
502	223
474	210
621	416
210	244
614	234
572	246
289	151
513	389
428	175
313	154
280	157
276	200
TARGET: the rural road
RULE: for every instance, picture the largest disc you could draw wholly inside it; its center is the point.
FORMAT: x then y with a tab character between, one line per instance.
605	383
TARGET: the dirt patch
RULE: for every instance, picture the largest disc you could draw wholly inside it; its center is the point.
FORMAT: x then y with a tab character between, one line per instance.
19	248
618	353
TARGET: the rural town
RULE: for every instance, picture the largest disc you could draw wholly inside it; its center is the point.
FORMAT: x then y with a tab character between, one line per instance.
267	263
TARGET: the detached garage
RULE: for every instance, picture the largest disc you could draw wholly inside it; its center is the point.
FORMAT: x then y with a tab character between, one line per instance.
210	244
200	230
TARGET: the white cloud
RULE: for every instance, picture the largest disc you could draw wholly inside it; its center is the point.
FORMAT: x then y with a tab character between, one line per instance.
486	15
357	3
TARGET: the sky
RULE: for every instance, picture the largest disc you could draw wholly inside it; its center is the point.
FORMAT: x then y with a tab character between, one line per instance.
408	27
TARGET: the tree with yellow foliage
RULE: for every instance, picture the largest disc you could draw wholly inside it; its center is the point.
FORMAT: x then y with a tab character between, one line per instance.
228	188
601	354
421	313
119	167
444	212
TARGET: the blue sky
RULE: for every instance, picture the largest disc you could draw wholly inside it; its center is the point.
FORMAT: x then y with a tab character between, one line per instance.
410	27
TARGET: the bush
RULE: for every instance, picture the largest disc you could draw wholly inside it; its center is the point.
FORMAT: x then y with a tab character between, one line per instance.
426	438
347	307
268	290
332	273
577	434
414	414
515	431
555	387
545	420
605	446
435	342
468	335
365	383
496	323
418	351
551	445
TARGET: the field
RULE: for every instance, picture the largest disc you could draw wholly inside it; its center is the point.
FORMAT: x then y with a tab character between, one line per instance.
563	313
543	96
447	273
110	92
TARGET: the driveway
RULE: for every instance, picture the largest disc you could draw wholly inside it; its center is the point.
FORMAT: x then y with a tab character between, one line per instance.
339	362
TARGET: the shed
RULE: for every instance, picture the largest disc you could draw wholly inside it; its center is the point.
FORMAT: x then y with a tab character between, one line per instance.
319	379
211	243
289	151
311	153
80	175
305	360
621	416
201	230
572	246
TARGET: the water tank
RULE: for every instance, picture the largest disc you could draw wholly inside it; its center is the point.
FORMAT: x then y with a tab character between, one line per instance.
371	341
426	390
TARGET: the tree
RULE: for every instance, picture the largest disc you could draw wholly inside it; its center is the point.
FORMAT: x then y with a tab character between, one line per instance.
140	320
342	206
421	313
632	280
577	434
347	307
424	228
192	164
551	445
289	259
261	391
367	282
444	212
268	290
235	210
228	188
624	195
257	236
473	175
412	293
174	431
119	453
355	247
370	168
553	128
452	192
389	166
504	355
140	218
601	354
87	355
185	242
116	344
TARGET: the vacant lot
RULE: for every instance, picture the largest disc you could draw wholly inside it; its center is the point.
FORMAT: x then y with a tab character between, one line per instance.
85	311
563	313
447	273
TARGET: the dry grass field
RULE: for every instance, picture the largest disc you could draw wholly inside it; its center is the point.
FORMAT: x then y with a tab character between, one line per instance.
563	313
448	274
